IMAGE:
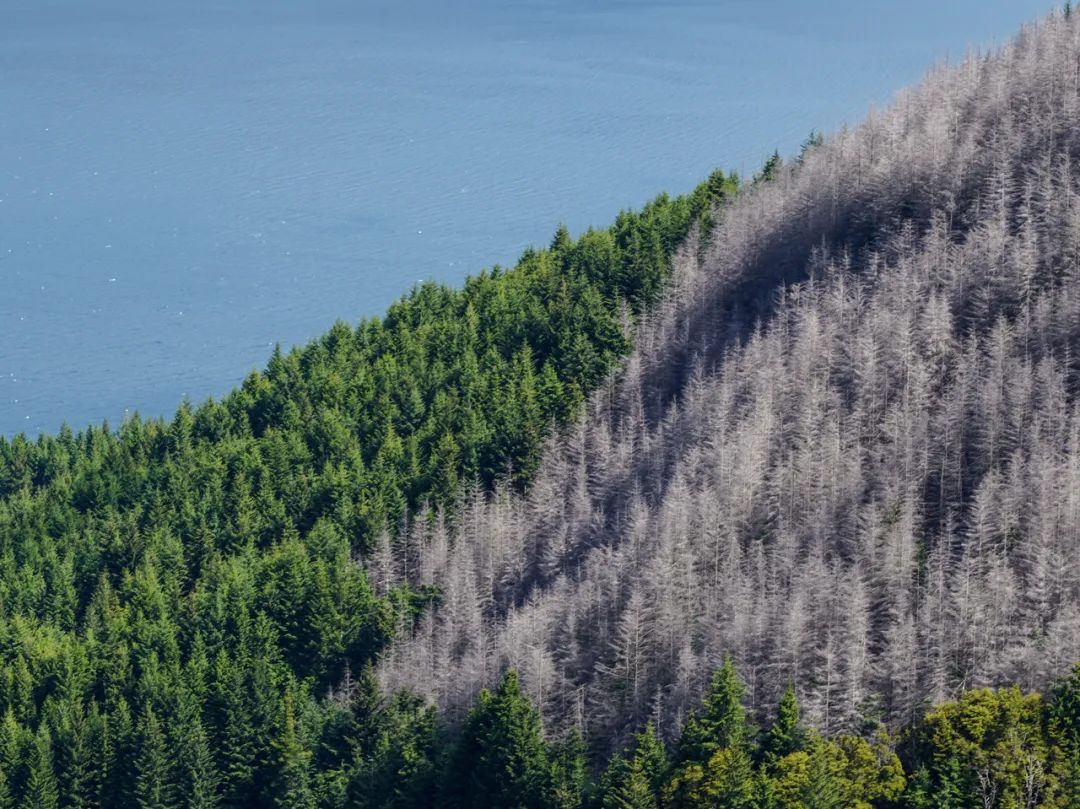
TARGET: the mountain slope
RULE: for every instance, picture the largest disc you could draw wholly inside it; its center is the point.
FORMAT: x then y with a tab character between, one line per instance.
192	586
846	451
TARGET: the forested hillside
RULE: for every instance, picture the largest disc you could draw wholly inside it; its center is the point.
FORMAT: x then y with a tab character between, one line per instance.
845	451
763	498
179	600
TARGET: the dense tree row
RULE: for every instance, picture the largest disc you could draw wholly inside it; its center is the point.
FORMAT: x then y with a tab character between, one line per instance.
1000	749
988	749
251	746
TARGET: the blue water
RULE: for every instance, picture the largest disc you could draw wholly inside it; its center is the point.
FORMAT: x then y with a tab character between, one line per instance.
184	184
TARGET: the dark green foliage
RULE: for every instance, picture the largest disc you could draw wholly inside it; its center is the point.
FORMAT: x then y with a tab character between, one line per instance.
626	786
290	785
771	168
721	722
501	760
41	790
1064	710
714	751
196	772
153	785
570	777
635	779
391	750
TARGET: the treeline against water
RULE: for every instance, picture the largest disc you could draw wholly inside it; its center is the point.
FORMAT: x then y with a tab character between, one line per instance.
178	597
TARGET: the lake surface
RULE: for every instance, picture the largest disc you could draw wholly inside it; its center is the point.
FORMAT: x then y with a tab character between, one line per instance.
182	185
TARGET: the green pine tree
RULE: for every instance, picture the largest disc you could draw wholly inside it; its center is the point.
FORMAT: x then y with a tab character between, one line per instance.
826	785
770	169
234	733
116	755
561	242
6	799
636	778
21	691
392	748
625	785
652	754
366	716
196	773
1064	714
153	788
74	759
725	780
786	735
14	741
41	789
721	721
501	760
569	771
292	785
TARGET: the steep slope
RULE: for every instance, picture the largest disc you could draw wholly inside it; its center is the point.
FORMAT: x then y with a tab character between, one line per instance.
191	586
846	451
